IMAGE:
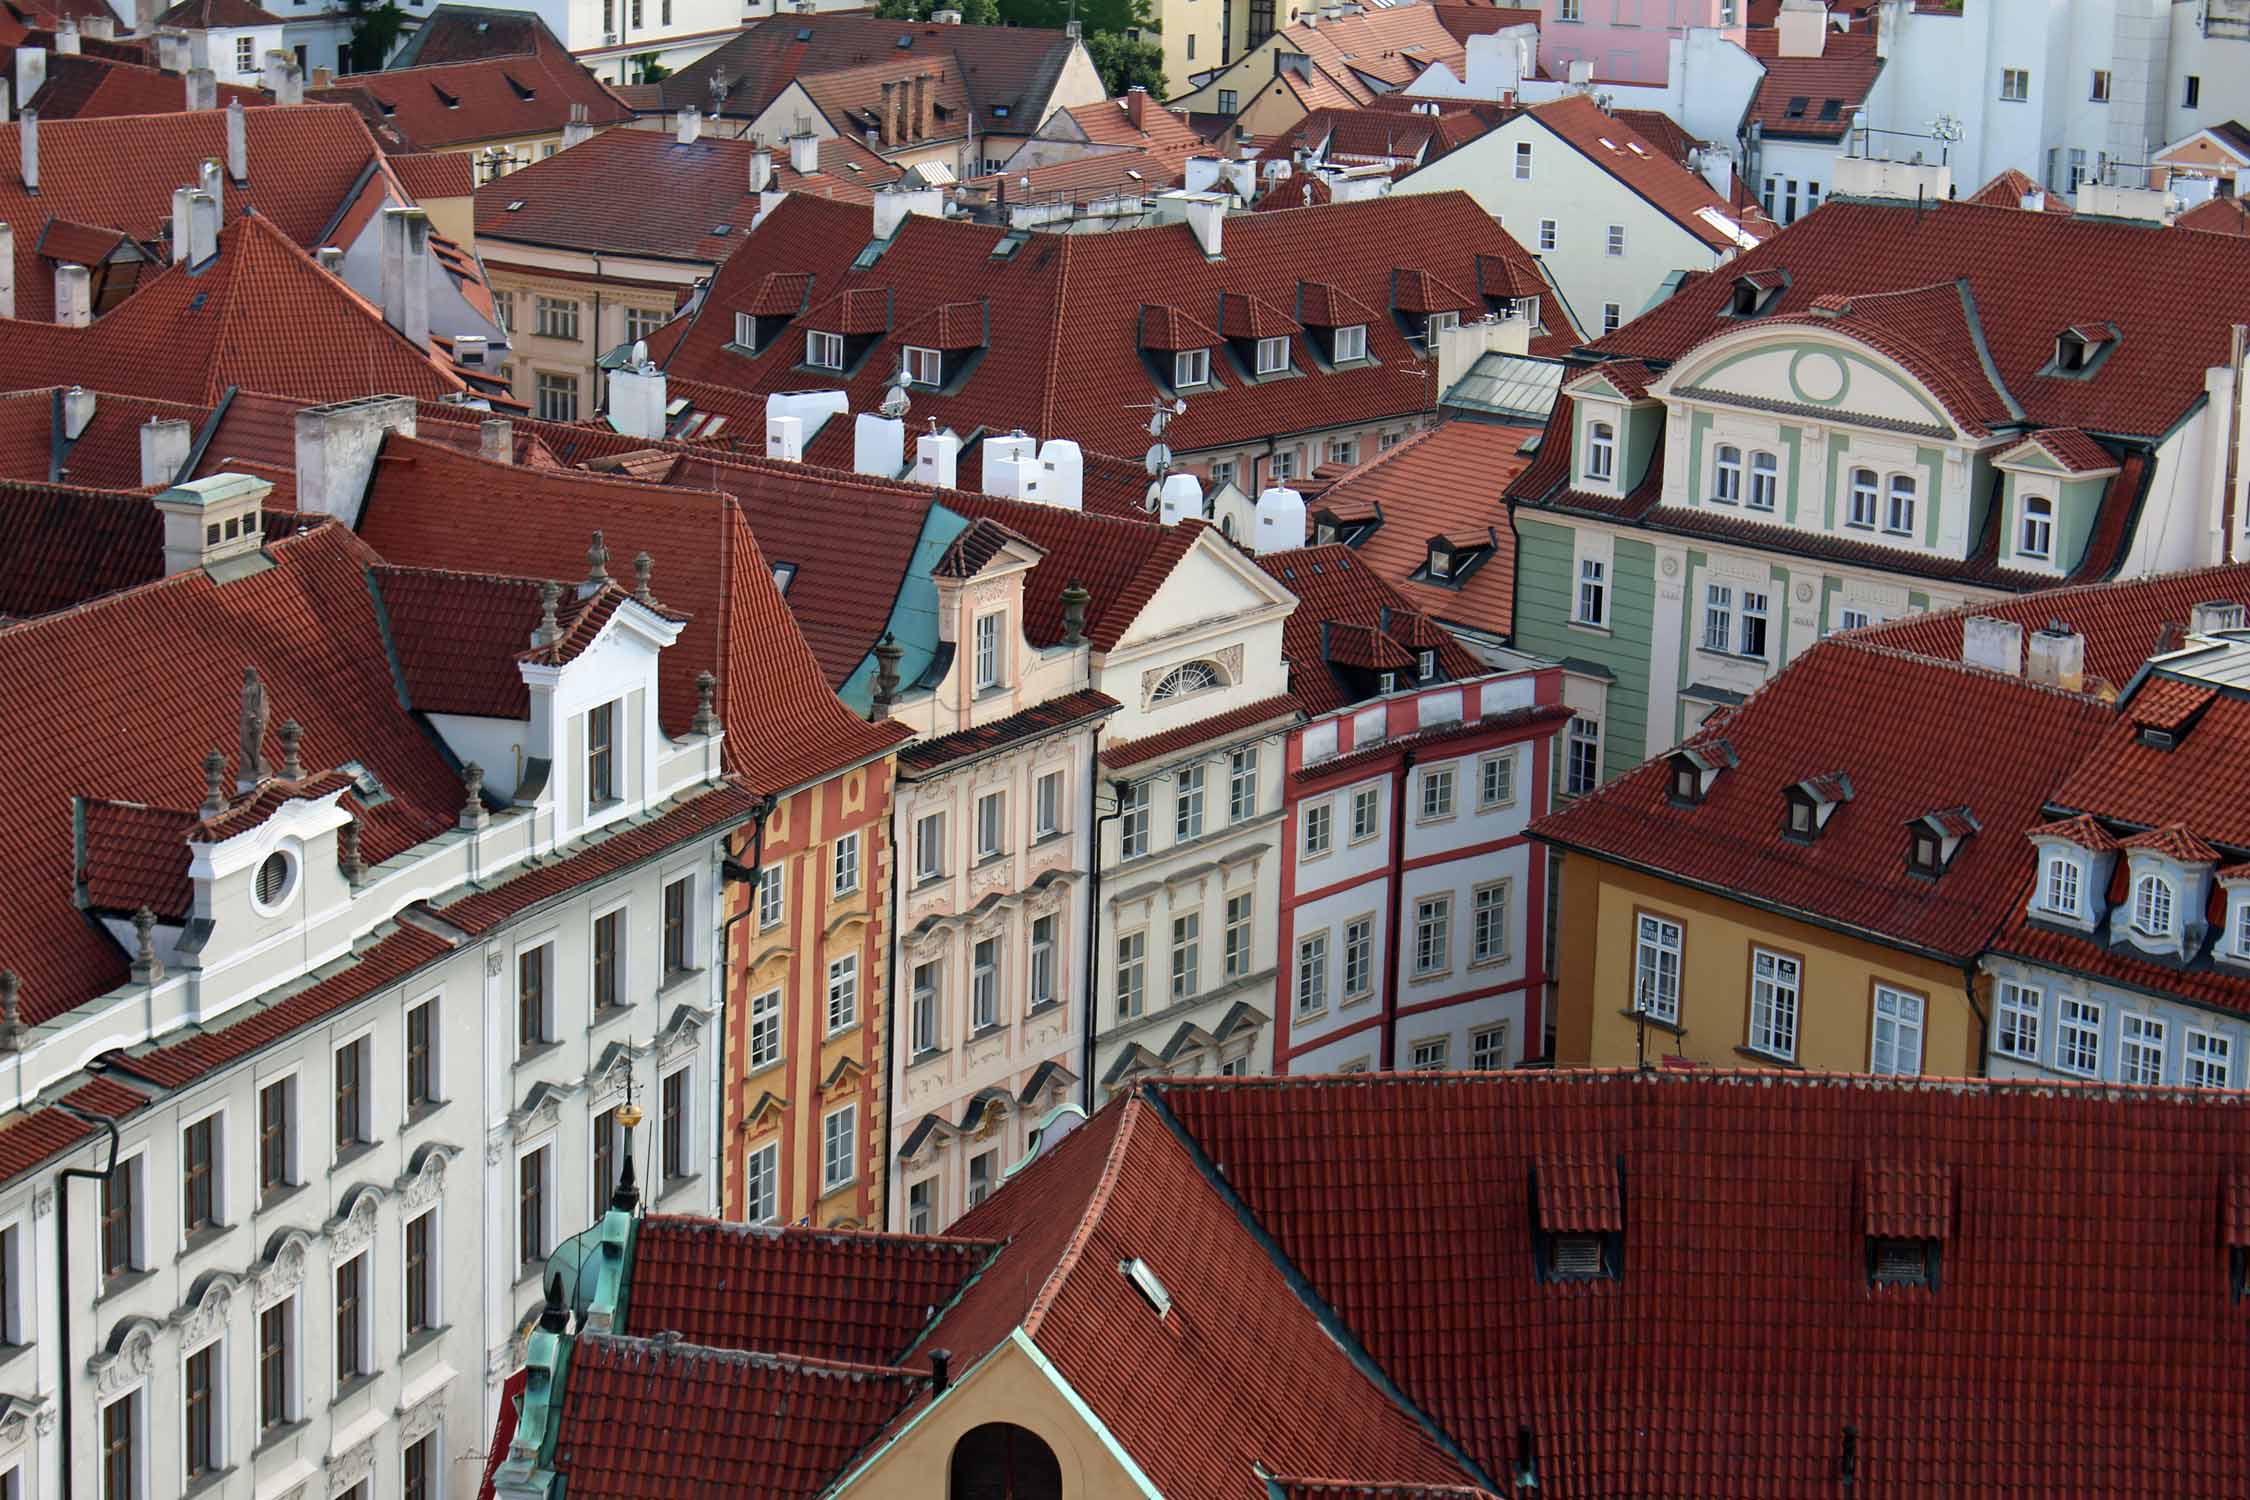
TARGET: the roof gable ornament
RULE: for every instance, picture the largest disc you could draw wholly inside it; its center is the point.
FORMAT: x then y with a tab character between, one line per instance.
214	784
250	767
597	569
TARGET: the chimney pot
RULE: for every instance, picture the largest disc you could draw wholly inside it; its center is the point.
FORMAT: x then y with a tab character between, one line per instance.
203	227
2056	657
74	296
27	139
214	182
496	439
1992	643
66	36
78	411
7	271
323	77
238	143
1136	106
165	442
202	89
804	153
331	258
690	125
347	853
941	1361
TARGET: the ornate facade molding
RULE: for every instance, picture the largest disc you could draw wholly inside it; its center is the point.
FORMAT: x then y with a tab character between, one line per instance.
423	1182
354	1224
281	1271
20	1414
683	1036
42	1202
204	1314
422	1418
126	1359
350	1467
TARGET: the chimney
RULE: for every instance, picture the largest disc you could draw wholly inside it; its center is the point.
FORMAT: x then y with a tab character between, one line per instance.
284	79
1991	643
31	72
336	449
77	412
471	350
406	273
1281	521
940	1361
1718	171
183	222
103	28
937	459
203	228
214	182
2214	615
878	445
785	438
1802	28
1136	106
202	89
903	100
577	130
1011	467
74	296
27	135
1180	499
171	52
637	400
1062	473
689	125
66	37
761	170
2057	658
886	114
804	153
331	258
323	78
891	208
1207	216
496	440
924	106
165	442
199	48
208	520
7	271
238	144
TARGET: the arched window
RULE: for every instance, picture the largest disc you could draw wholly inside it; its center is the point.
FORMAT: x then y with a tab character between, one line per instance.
2036	537
2152	905
1901	515
1601	451
1195	677
1866	488
1726	478
2062	884
1765	480
1001	1461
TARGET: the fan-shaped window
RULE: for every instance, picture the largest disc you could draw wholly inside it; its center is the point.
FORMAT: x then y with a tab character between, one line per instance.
1001	1461
1181	682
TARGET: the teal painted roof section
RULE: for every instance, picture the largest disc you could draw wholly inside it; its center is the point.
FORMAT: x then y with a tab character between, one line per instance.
913	625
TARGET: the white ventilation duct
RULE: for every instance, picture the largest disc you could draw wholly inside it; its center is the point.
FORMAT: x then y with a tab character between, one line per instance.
1281	521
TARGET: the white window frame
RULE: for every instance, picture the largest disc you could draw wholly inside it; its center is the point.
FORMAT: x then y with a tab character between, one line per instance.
2019	1015
1897	1015
1273	356
1765	480
1437	794
1488	1048
773	896
988	666
992	824
1726	474
1191	368
1430	1054
1659	958
1582	757
1496	781
1319	829
1242	785
925	1014
844	865
761	1184
1523	148
1433	935
1546	234
1613	245
2035	529
1238	926
1777	990
1046	804
1187	804
1359	958
2207	1061
1367	812
761	1015
1718	618
2078	1033
1593	583
1351	342
984	984
2015	85
840	1012
929	846
1489	907
1187	956
1901	494
1132	974
1133	819
830	1136
1613	316
923	367
2155	905
1864	500
1312	973
823	350
2061	885
2141	1042
1601	452
1042	970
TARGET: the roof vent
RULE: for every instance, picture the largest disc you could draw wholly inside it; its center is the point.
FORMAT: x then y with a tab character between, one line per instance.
1147	1283
1695	767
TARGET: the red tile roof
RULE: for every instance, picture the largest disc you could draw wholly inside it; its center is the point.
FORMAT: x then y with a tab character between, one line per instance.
1579	1193
2074	450
2084	831
60	547
484	99
1050	382
2173	841
1087	179
1646	168
1661	131
1811	97
1383	131
91	86
1122	754
2200	783
1932	331
1111	123
31	1138
2217	216
436	174
1854	876
203	15
1347	615
2008	189
1120	561
457	637
1066	712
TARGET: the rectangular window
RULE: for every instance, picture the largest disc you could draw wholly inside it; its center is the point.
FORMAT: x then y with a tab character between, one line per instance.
1351	342
1431	1055
1593	592
929	846
418	1469
1656	968
1242	785
984	985
2210	1060
200	1400
924	1016
1765	480
421	1054
672	1117
608	982
534	1015
843	992
2140	1049
1132	822
277	1109
1613	317
765	1030
1284	464
1132	974
276	1367
824	351
1488	932
1860	511
2078	1036
351	1319
992	825
984	1167
1433	935
1367	804
844	870
679	949
1273	356
1437	793
1187	804
987	630
2017	1031
1228	102
601	755
640	322
1583	769
2062	885
121	1456
12	1284
1773	1004
1359	958
1753	639
921	1206
421	1272
351	1096
1343	452
761	1184
199	1175
245	53
745	331
532	1176
924	367
1319	817
1523	161
1496	781
1312	973
1187	956
772	897
1191	368
1896	1047
1046	804
1043	960
1488	1048
839	1148
1616	241
558	397
2191	92
504	309
1718	617
2099	91
1899	517
607	1136
1238	955
1546	234
558	318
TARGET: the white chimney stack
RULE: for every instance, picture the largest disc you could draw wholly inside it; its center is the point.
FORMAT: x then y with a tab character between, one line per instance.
937	460
1179	499
31	72
878	445
203	227
7	271
182	223
165	442
785	438
66	36
74	296
1062	473
1992	643
331	258
1207	216
284	79
171	52
78	412
2215	615
893	204
637	400
496	440
238	143
202	89
804	154
211	519
406	273
27	137
214	182
104	27
1281	521
2057	658
761	170
690	125
1801	28
336	449
1011	467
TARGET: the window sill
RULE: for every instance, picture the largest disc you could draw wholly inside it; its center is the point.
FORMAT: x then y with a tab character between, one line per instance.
1425	819
535	1052
421	1112
1648	1018
1361	998
1308	856
1490	961
276	1435
927	880
676	980
427	1338
9	1353
203	1238
1431	976
926	1055
207	1482
990	1029
1308	1015
1752	661
994	857
1595	626
1049	836
758	1068
838	893
350	1388
674	1187
351	1153
604	1014
1771	1059
829	1190
1485	807
278	1194
840	1032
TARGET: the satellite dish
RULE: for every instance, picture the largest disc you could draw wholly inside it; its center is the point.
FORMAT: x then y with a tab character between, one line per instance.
896	403
1158	459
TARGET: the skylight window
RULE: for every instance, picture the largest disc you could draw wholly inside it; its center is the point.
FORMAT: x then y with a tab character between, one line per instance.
514	204
1796	109
1147	1283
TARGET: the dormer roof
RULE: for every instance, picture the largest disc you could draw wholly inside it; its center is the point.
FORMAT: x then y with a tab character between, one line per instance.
1170	330
1242	316
1322	305
978	544
2086	832
1623	379
1414	290
2175	842
2077	454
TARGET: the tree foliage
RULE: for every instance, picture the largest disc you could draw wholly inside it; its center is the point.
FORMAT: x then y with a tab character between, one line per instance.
375	32
1125	63
1095	17
973	12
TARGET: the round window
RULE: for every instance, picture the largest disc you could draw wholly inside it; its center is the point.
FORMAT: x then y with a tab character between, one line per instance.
274	877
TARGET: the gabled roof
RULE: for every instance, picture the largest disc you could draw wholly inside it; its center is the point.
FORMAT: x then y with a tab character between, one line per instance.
1934	332
1374	52
1811	97
1110	122
2008	189
435	174
1066	712
2217	216
1348	615
86	86
1120	562
491	98
1854	876
1381	130
2074	450
206	15
1648	171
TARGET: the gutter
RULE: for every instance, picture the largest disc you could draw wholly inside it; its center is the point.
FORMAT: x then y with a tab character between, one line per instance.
63	1179
890	1009
1094	905
764	811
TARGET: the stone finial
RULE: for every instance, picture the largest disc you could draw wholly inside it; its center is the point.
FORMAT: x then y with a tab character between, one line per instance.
706	703
11	1017
292	736
550	628
214	784
555	1316
1074	602
250	766
887	654
348	857
644	567
147	967
472	805
627	1195
597	568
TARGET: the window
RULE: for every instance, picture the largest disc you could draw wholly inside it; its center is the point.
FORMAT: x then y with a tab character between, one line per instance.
2140	1049
1318	818
921	1206
2210	1060
199	1392
421	1271
772	897
601	755
558	397
504	309
1601	451
1752	642
1187	956
1546	234
608	993
1284	464
765	1029
923	367
2191	94
1242	785
844	876
843	992
351	1096
984	985
2099	92
1046	804
1496	781
2077	167
839	1148
1566	10
1488	1048
2035	537
1523	156
1860	509
2016	1033
607	1135
2061	887
1312	973
1043	960
1852	617
824	351
2015	84
1359	958
640	322
745	330
1718	617
1437	323
277	1375
992	825
672	1117
351	1318
1437	793
418	1469
1616	242
1765	480
1613	317
199	1181
987	630
1240	910
2152	905
121	1455
558	318
1273	356
1367	803
1431	1055
761	1184
1896	1047
1656	965
1228	102
1132	974
924	1013
983	1168
1593	591
1351	342
2078	1036
534	1014
1582	770
1132	822
929	846
1726	477
277	1111
1343	452
1900	516
1433	935
1187	804
1488	931
1773	1004
679	946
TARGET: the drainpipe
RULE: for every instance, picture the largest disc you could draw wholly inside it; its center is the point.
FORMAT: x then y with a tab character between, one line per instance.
1094	899
762	810
890	1013
1392	919
1984	1027
63	1180
2238	347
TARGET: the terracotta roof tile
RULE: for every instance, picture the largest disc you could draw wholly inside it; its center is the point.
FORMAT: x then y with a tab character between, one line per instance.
92	86
137	856
202	15
2074	450
2174	841
456	637
1349	615
107	1096
30	1138
1648	170
2217	216
1111	122
1579	1193
2202	782
2009	188
486	98
1811	97
1907	1199
437	174
1066	712
2085	832
1123	754
1120	562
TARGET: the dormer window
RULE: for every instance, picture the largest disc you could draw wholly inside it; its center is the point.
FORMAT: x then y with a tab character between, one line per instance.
1726	475
1935	838
1601	452
923	367
2071	352
987	653
1694	768
1191	368
1909	1213
1273	356
1578	1219
1425	665
1924	859
1351	343
1902	1262
824	351
601	755
1439	323
1441	558
1754	293
2152	906
1687	783
1809	804
2035	533
2080	349
2060	890
275	875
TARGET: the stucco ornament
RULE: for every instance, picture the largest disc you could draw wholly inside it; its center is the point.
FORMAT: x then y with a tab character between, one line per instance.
126	1359
282	1270
354	1227
205	1313
350	1467
424	1182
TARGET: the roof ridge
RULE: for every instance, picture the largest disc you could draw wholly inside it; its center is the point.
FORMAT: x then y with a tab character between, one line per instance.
740	1230
1089	1217
2075	590
1914	1083
1967	669
762	1359
14	628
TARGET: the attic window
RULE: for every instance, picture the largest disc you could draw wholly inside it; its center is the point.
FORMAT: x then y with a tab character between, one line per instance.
2158	739
2080	349
1902	1262
1831	109
450	101
1441	558
1753	295
1796	109
1935	838
1578	1218
1147	1283
784	573
515	205
1925	857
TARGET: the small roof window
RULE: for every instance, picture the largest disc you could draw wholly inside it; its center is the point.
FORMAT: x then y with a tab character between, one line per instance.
1796	109
1147	1283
